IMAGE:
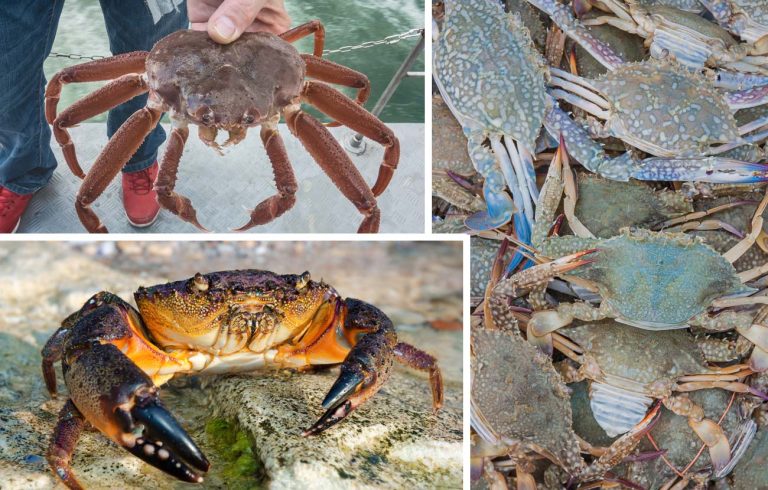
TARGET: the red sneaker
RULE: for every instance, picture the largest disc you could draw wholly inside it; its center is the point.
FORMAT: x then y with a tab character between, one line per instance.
139	199
12	206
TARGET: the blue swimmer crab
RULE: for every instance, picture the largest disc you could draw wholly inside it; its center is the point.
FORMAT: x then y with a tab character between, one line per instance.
520	407
747	19
684	36
495	83
114	357
629	368
492	78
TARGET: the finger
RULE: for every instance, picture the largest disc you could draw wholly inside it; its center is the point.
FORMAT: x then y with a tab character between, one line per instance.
232	18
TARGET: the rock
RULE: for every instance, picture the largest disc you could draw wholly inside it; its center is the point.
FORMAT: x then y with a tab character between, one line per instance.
392	440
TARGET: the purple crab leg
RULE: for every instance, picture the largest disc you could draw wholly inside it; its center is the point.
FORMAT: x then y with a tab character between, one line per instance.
367	366
751	97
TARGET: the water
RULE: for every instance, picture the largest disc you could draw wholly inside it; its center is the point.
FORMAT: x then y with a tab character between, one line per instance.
81	31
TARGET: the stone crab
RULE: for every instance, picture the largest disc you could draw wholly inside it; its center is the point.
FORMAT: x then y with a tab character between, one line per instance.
114	357
249	83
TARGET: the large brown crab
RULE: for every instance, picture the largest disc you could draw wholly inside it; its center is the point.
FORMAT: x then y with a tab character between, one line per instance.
115	357
248	83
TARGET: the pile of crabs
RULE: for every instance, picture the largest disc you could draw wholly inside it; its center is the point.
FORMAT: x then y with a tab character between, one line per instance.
610	162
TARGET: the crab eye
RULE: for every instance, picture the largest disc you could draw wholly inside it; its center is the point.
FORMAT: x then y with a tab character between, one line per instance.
303	280
207	118
200	283
248	119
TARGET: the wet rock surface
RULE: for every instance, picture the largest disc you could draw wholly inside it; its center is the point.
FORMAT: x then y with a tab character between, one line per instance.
249	426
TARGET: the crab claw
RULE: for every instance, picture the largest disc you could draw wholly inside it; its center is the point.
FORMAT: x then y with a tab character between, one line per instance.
365	368
708	169
714	438
500	209
120	400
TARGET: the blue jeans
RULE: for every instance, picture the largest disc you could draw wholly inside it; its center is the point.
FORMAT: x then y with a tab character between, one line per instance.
27	30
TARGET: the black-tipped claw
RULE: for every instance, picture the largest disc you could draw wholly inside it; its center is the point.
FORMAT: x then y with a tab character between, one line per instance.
333	416
345	385
163	430
164	459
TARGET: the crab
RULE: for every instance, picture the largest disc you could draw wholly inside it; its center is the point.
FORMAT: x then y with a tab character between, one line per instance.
747	19
629	368
703	127
605	206
114	357
685	36
492	79
251	82
520	405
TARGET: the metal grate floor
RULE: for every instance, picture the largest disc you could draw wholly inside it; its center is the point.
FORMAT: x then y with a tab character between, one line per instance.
224	189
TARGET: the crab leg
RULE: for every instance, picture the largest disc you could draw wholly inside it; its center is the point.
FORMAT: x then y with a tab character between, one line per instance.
275	206
165	183
757	227
340	107
65	436
709	432
414	358
335	162
739	81
592	156
313	27
112	158
328	71
93	71
751	97
115	395
111	95
500	206
565	20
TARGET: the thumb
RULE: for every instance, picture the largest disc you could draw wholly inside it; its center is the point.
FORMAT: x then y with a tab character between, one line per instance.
231	19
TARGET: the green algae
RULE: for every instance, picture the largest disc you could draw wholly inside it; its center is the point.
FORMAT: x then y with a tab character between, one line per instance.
242	469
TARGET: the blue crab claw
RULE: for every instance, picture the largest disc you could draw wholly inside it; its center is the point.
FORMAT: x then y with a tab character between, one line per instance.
708	169
523	232
500	209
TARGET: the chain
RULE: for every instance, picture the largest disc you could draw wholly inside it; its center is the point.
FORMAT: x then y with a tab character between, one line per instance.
72	56
393	39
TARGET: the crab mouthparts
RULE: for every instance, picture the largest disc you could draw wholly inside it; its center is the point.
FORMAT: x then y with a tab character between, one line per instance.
208	135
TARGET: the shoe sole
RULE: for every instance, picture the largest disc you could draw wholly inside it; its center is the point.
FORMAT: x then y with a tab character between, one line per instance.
142	225
18	223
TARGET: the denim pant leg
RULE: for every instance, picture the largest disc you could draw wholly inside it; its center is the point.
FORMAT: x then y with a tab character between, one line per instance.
130	28
27	30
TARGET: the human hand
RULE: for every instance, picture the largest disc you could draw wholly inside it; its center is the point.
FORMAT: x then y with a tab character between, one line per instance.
226	20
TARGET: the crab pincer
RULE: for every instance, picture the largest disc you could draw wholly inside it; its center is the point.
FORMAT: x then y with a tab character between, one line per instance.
108	390
368	364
